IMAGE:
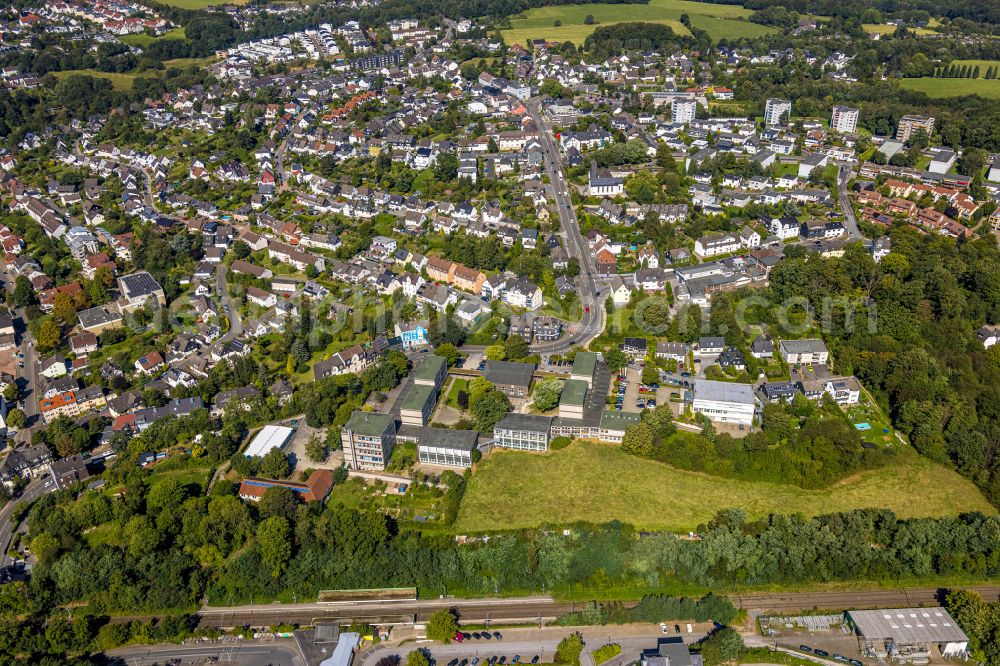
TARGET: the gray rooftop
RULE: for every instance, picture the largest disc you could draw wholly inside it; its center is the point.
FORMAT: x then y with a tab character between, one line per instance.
807	346
707	389
906	626
618	420
525	422
508	372
448	438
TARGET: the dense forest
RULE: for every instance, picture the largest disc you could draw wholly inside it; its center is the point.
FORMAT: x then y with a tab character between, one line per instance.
920	358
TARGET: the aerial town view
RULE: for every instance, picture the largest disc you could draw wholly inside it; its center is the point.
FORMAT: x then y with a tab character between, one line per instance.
500	332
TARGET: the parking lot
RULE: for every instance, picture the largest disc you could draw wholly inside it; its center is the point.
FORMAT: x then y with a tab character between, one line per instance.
634	396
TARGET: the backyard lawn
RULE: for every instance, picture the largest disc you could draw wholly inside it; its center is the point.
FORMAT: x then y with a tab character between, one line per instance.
598	483
457	386
720	21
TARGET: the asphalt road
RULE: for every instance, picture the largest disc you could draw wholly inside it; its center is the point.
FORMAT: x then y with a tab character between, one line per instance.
850	221
592	320
229	308
245	653
34	489
28	374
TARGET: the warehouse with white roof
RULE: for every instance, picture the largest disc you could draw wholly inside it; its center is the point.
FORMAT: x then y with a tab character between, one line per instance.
908	634
269	437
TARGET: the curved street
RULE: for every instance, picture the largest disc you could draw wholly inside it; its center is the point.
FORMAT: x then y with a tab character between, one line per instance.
592	318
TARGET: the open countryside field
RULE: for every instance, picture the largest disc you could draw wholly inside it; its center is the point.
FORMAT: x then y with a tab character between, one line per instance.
598	483
953	87
720	21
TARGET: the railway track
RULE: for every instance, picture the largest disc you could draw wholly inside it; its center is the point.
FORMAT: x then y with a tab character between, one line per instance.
478	611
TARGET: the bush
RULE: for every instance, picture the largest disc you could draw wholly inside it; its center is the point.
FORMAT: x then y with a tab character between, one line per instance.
721	646
605	652
560	443
569	649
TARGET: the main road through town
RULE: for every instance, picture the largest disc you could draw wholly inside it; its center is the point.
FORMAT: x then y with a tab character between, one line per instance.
592	318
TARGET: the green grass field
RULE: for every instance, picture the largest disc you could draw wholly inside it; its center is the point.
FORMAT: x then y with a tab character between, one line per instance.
190	474
982	64
953	87
598	483
202	4
720	21
143	40
118	81
888	29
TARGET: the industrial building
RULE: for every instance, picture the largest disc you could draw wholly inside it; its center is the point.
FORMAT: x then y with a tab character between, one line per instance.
908	634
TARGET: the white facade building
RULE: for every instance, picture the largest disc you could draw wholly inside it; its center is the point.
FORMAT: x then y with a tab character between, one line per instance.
844	119
725	402
775	109
683	111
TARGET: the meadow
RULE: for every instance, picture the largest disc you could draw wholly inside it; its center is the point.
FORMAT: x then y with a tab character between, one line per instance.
202	4
595	482
953	87
720	21
143	40
118	81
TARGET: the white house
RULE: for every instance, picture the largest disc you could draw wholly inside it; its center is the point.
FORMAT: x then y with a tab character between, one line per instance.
784	227
713	245
810	350
523	294
620	293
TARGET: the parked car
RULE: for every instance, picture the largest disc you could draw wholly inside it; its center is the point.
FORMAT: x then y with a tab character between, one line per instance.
663	628
806	648
459	637
821	653
497	635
